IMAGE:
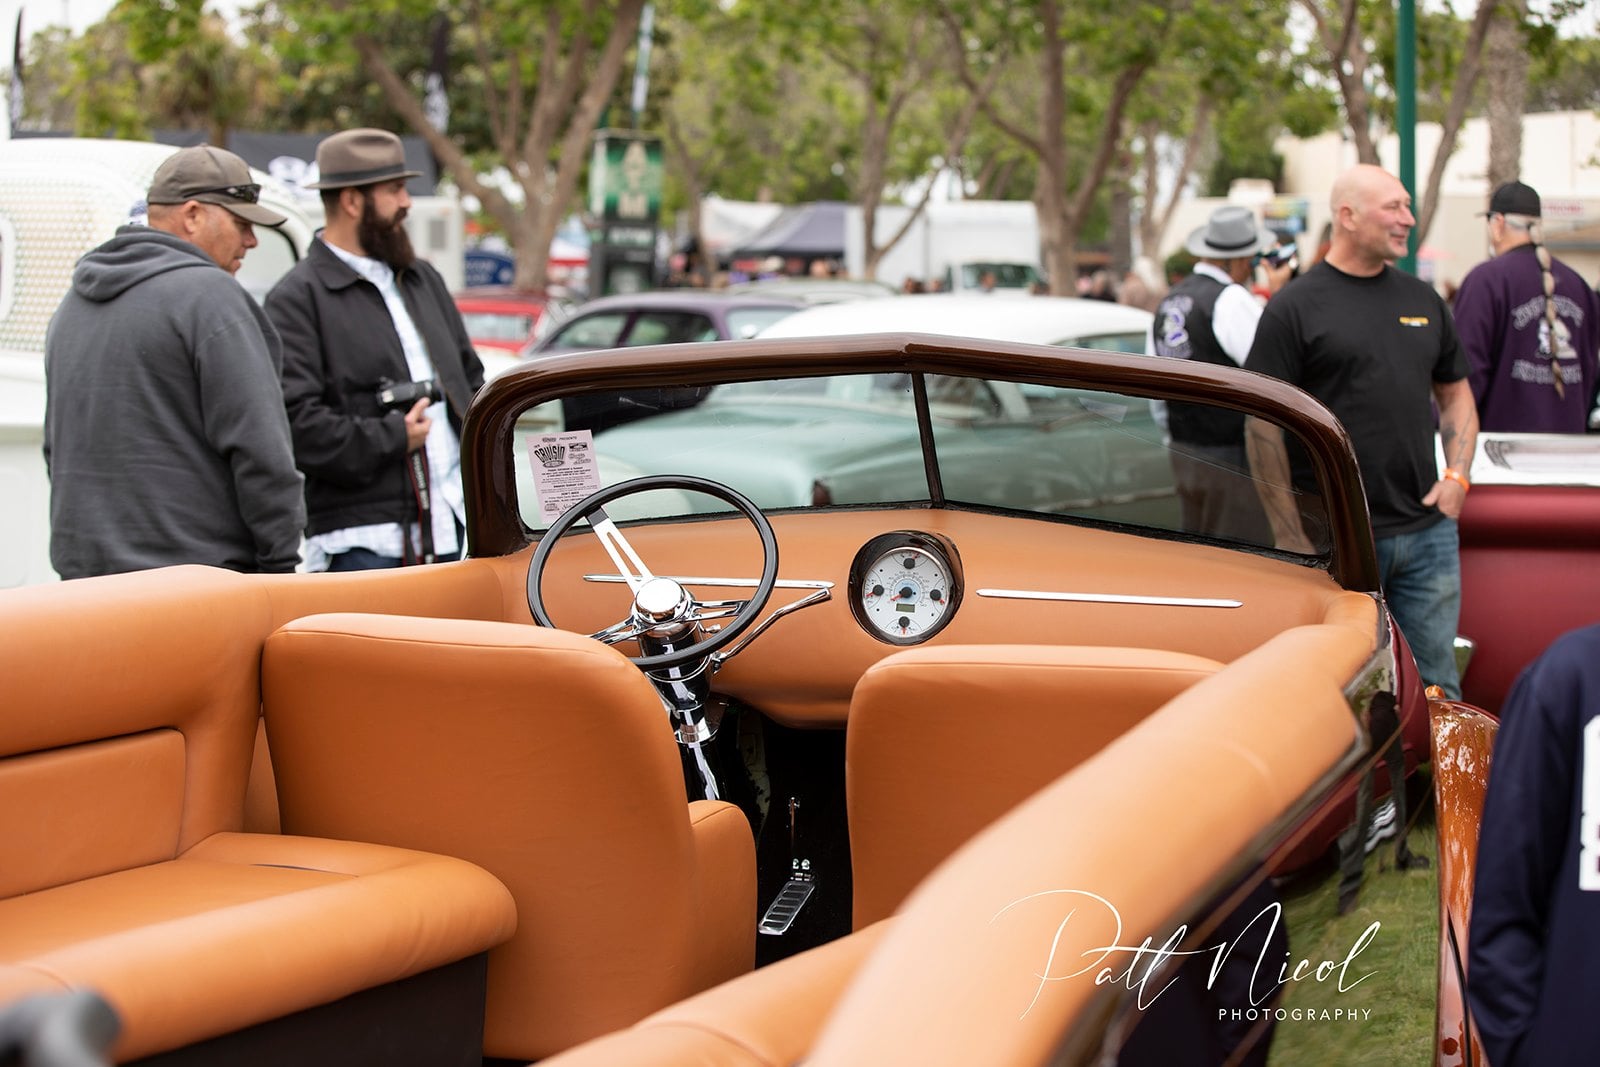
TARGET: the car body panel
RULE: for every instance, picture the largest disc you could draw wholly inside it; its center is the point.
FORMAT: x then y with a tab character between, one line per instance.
670	316
1042	320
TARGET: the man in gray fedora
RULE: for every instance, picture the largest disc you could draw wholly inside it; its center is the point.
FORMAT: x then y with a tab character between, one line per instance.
1210	317
164	432
378	371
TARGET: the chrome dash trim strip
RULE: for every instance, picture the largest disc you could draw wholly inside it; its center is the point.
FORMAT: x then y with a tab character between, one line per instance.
1112	598
731	583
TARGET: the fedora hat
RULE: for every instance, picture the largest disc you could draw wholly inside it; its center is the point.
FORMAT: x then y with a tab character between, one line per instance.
1230	233
211	175
360	157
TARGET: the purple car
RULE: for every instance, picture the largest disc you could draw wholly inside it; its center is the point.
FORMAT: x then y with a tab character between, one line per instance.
657	318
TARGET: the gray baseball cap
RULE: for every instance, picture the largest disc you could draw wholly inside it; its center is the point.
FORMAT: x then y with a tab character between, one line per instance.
211	176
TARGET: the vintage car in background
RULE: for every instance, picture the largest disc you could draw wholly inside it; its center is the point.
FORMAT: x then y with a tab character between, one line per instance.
502	320
559	799
668	317
815	290
857	439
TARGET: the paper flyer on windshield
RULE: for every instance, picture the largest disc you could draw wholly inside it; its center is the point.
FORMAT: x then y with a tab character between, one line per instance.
564	470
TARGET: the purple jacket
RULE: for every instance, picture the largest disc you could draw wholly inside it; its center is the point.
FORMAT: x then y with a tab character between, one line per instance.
1499	313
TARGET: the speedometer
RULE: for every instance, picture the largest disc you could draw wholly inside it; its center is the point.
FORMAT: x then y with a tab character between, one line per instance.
905	586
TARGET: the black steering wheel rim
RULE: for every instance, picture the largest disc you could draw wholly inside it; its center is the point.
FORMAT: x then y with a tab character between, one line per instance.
735	626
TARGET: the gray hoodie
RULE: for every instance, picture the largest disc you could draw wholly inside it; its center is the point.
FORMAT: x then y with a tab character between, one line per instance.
164	430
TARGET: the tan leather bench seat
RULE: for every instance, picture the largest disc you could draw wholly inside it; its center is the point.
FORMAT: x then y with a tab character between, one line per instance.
243	928
768	1018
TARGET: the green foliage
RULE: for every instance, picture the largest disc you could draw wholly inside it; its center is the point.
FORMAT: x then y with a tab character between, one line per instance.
1565	76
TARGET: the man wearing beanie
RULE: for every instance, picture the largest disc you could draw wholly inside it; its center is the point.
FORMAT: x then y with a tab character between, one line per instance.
1529	325
164	431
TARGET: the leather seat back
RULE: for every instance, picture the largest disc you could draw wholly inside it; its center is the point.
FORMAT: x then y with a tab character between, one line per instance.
981	964
943	740
545	758
130	706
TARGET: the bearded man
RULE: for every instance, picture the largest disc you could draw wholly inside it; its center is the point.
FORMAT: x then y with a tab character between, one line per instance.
377	371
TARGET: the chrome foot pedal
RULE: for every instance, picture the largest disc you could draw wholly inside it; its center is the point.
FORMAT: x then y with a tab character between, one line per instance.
786	906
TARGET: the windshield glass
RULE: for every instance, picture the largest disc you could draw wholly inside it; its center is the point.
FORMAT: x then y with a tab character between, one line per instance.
1006	275
856	440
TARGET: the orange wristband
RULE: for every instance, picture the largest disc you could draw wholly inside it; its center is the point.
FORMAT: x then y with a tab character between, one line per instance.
1456	476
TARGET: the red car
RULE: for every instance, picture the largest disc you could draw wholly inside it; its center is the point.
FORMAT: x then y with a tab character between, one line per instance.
502	320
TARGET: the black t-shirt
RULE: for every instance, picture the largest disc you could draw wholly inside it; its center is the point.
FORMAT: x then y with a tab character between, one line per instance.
1370	349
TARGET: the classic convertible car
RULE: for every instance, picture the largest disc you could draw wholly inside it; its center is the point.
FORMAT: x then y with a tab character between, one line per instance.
960	773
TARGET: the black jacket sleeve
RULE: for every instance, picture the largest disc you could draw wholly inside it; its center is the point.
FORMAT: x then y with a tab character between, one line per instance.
332	441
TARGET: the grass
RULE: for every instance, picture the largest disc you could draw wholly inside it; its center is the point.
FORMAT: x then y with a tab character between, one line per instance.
1401	957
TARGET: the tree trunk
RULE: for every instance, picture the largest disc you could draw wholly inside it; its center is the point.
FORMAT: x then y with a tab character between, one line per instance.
1467	74
1122	213
1506	74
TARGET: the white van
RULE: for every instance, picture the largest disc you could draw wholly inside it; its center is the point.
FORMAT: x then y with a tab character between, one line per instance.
59	198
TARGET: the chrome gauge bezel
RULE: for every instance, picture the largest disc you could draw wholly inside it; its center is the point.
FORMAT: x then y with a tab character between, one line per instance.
943	554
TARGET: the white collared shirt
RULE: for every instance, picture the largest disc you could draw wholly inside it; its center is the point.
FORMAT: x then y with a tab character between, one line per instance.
444	450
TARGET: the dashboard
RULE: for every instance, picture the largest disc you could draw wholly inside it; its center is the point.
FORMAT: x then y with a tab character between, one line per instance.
998	579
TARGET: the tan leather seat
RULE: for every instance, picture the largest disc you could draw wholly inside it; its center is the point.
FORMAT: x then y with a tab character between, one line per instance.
1156	821
131	702
545	758
766	1019
243	928
943	740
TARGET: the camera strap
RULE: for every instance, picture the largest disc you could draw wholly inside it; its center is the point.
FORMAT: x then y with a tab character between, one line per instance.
422	492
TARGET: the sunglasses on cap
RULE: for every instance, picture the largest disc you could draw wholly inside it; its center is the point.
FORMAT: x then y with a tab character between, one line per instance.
249	193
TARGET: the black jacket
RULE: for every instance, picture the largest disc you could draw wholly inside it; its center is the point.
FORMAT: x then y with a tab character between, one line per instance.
339	347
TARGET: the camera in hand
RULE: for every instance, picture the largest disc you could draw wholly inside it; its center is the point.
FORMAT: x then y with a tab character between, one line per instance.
399	396
1279	256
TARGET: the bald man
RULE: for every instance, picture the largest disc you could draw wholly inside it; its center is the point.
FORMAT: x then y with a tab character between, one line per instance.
1378	347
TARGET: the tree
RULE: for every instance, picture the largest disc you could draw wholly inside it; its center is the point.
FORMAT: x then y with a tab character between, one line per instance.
1353	32
1507	77
544	70
883	69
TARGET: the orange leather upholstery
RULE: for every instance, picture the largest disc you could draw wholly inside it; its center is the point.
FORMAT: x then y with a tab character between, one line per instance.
1153	824
943	740
132	704
247	927
766	1019
544	757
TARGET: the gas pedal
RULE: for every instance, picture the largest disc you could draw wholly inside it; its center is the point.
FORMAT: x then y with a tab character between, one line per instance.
785	907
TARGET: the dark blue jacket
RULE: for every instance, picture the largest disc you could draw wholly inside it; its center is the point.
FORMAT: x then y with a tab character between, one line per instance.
1533	961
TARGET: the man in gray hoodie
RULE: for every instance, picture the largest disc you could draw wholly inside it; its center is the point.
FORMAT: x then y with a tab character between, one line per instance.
165	434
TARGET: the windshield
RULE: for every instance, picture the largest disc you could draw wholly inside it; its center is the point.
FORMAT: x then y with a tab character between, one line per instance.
1006	275
857	440
497	325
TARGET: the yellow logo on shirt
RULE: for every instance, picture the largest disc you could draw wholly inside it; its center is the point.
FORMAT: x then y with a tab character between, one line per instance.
1413	320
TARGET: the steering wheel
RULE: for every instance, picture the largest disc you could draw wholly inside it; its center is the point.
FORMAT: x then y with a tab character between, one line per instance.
633	570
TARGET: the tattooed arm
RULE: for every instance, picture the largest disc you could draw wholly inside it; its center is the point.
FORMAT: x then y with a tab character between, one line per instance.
1458	435
1269	466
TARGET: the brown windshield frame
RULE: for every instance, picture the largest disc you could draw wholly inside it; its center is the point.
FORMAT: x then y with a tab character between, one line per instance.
495	528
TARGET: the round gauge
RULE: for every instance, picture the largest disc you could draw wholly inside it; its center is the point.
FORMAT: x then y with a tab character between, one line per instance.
905	586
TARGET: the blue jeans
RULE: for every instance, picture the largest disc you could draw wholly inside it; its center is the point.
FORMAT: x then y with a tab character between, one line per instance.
1421	577
364	559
